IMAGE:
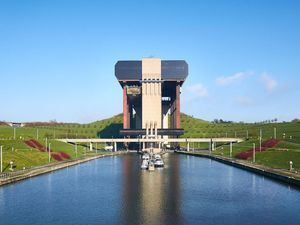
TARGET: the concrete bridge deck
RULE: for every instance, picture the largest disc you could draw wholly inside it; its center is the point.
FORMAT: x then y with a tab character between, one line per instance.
157	140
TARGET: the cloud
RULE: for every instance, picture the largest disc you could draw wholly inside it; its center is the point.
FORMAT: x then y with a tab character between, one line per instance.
198	90
269	83
223	81
244	101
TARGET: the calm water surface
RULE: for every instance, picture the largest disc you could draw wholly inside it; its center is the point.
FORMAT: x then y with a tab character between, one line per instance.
113	190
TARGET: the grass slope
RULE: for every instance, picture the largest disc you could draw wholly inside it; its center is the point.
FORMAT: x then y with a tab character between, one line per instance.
288	149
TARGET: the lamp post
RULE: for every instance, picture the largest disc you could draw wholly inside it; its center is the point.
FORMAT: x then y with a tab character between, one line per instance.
1	159
14	133
254	152
275	133
46	144
76	149
49	153
260	139
37	134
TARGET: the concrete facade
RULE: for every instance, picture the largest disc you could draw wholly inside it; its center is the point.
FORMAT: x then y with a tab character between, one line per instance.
151	93
151	96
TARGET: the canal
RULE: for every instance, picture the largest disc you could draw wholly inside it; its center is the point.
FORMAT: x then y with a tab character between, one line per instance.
113	190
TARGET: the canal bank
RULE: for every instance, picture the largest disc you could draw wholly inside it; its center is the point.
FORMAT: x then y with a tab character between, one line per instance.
11	177
276	174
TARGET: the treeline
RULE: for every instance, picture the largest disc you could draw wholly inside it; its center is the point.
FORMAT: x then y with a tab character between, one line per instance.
221	121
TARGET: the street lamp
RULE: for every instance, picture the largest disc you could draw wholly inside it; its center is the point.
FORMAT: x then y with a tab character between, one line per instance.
76	149
254	152
49	153
1	159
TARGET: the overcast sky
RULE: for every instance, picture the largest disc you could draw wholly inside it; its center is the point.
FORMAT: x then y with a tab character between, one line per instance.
57	57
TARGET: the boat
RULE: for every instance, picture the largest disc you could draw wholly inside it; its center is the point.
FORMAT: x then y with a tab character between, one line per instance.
159	163
144	165
151	166
146	157
157	156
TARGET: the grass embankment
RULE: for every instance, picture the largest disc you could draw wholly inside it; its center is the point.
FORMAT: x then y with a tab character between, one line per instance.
24	156
277	157
287	150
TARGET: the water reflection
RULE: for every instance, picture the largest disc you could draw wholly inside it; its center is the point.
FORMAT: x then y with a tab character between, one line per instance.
151	197
113	190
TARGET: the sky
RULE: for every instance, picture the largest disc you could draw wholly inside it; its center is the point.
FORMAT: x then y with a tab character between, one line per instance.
57	57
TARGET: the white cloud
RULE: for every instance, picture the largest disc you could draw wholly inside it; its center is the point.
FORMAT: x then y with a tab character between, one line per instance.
198	90
223	81
269	83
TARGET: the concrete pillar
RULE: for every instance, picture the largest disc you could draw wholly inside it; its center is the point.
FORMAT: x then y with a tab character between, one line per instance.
115	146
91	146
188	146
125	109
177	119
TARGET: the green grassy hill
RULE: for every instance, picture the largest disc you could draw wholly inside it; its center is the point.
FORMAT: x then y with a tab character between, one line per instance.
15	149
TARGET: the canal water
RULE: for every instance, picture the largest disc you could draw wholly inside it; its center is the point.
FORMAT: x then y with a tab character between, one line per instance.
113	190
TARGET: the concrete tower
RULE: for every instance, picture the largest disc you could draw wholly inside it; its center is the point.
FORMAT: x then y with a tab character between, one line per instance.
151	96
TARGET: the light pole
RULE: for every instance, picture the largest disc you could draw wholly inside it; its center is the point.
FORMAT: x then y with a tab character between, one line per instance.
275	133
247	134
14	133
46	144
260	138
49	153
37	134
1	159
254	152
76	149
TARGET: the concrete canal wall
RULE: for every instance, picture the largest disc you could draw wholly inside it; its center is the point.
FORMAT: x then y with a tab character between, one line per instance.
277	174
12	177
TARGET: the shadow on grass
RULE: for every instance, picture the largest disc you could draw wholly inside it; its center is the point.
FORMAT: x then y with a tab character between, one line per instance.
111	131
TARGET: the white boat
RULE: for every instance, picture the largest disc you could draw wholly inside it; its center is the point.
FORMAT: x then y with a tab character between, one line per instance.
159	163
151	166
144	165
157	156
146	157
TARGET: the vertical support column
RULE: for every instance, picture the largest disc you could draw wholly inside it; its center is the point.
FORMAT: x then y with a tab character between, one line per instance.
91	146
188	146
177	119
115	146
125	109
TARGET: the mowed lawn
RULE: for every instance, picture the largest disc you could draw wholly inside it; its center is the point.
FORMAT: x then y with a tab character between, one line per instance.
277	157
24	156
287	132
